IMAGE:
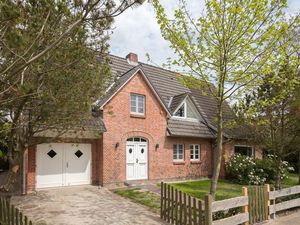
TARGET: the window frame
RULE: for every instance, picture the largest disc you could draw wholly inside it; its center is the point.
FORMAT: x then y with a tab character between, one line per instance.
177	153
247	146
192	152
136	112
185	111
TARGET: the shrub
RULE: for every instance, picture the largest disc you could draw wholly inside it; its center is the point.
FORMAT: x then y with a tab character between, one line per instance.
3	161
246	170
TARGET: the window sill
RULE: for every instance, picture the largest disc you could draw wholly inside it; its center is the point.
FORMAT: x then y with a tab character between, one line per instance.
137	116
195	161
178	162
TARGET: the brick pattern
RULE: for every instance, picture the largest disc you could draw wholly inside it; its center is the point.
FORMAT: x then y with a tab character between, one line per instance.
120	125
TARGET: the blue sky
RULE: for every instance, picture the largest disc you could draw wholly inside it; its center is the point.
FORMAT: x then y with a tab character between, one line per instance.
136	31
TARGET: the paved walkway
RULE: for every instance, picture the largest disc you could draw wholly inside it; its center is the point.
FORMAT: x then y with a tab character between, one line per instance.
83	205
292	219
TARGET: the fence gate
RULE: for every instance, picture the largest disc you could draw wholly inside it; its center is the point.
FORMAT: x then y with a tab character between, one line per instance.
258	204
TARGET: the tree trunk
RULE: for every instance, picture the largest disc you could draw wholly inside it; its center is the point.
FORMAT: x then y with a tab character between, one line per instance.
15	157
219	153
278	175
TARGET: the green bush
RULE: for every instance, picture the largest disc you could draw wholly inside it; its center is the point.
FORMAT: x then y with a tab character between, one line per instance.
3	161
248	171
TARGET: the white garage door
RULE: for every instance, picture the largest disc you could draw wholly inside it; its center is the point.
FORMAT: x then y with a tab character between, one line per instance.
63	164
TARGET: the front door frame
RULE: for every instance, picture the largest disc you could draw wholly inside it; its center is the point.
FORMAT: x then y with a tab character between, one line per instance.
136	144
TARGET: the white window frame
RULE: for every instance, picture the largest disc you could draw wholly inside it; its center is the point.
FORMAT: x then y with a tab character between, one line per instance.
193	152
248	146
136	112
177	153
185	111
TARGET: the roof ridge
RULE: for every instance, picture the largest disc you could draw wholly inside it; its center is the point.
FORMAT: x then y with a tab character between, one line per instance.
146	64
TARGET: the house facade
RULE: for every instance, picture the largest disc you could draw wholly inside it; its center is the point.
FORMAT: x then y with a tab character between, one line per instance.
151	127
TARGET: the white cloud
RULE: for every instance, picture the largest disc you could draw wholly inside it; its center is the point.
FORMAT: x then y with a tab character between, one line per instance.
137	31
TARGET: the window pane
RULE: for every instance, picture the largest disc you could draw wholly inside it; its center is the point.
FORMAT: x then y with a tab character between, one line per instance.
132	109
180	112
133	97
140	110
174	151
243	150
133	103
180	157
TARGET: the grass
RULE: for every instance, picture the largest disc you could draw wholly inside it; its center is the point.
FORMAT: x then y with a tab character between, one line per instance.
147	198
226	189
199	189
292	180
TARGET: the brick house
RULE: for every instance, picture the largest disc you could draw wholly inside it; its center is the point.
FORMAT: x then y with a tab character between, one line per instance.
152	128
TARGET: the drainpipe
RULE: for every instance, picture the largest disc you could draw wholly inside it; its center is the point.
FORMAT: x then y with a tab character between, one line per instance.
24	171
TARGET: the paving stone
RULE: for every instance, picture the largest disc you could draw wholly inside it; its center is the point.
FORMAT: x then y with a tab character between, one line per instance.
88	205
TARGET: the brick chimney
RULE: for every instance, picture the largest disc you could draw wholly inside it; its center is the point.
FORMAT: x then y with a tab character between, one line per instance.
132	59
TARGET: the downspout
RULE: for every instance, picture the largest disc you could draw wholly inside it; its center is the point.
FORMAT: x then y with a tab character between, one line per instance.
24	171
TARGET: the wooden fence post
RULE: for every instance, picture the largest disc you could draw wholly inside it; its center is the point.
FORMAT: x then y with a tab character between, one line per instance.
267	203
245	209
161	199
274	203
208	210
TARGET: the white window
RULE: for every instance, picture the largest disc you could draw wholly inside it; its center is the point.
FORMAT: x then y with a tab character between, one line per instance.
195	152
181	112
178	151
137	104
244	150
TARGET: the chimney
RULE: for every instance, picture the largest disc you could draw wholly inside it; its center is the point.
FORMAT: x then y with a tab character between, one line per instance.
132	59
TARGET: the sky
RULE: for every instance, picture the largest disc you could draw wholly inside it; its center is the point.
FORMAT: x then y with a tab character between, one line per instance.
137	31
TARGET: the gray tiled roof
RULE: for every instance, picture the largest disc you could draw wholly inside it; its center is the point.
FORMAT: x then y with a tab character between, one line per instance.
169	88
94	124
189	129
119	82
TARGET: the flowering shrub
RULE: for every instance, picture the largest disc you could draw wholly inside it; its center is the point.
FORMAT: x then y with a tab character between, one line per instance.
246	170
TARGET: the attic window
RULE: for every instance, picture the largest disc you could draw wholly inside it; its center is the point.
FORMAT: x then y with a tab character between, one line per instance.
181	111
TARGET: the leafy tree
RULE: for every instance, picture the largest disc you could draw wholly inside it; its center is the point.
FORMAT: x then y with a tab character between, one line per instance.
49	66
272	108
226	46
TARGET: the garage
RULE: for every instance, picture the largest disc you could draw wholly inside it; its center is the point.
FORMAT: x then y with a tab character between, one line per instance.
63	164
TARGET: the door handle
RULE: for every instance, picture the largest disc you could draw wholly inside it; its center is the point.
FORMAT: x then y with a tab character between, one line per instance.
67	165
137	160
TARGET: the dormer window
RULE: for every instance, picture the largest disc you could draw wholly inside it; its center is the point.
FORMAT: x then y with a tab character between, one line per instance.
181	112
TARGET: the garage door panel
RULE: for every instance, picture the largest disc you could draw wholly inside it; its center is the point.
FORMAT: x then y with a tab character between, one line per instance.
78	158
49	165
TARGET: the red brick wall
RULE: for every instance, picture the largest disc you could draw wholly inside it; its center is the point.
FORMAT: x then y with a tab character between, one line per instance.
121	125
228	151
96	150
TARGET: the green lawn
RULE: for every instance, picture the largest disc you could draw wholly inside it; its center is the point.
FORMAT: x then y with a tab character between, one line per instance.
149	199
292	180
226	189
199	189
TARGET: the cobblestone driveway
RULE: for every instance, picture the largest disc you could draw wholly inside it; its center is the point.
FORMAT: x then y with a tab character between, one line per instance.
83	205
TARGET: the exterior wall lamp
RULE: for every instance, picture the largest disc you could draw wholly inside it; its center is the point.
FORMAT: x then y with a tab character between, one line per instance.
117	145
156	146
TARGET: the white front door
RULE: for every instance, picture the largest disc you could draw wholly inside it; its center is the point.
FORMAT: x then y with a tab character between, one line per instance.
136	159
63	164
